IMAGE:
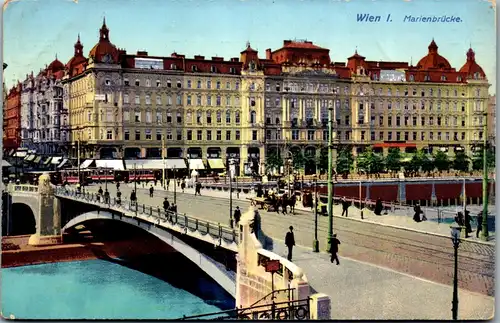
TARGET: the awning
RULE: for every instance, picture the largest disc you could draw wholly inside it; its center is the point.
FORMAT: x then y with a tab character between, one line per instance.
21	154
37	160
65	160
47	161
177	163
196	164
216	164
29	157
116	164
86	163
394	144
144	164
5	163
56	160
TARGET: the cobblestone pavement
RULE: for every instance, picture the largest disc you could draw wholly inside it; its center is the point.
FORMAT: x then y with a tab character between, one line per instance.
418	254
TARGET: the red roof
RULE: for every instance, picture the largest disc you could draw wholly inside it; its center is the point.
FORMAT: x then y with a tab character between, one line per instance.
471	67
301	45
433	60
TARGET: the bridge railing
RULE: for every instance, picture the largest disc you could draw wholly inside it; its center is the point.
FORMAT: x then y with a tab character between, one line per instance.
188	223
24	188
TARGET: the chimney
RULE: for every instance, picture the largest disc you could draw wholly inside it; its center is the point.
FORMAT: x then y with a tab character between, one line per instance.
199	57
286	42
142	53
235	59
268	53
217	59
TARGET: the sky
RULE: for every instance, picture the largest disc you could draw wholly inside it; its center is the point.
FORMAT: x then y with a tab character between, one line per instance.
35	31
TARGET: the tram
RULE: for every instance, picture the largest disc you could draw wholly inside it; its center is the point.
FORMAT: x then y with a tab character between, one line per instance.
32	177
70	176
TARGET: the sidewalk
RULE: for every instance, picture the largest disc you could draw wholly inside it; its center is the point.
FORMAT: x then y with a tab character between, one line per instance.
398	220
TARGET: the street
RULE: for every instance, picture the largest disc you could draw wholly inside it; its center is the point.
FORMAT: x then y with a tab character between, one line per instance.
417	254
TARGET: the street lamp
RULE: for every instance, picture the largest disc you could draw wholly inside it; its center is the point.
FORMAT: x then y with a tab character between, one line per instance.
455	238
485	233
330	169
163	159
231	169
315	242
175	188
78	158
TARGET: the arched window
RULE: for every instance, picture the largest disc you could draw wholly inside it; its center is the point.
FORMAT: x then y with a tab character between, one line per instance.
228	116
253	117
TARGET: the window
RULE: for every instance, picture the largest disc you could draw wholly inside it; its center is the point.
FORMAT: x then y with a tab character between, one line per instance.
169	134
310	134
198	84
253	117
268	87
228	101
169	83
109	134
228	86
463	135
381	121
179	84
254	134
126	82
158	99
438	121
179	134
237	135
137	117
372	135
169	117
406	120
169	100
362	135
189	117
199	135
422	121
158	83
137	83
158	117
407	135
179	99
228	135
219	116
209	100
137	135
148	83
190	135
295	135
126	116
389	121
198	100
228	116
198	117
188	84
125	98
389	135
158	134
219	135
209	135
209	117
179	117
137	99
148	99
217	85
188	100
422	135
127	135
414	120
414	135
217	100
209	84
148	117
237	86
213	69
398	121
346	120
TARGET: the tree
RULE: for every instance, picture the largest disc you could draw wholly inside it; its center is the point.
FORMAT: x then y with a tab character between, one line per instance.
345	161
413	166
477	160
393	160
298	159
273	161
441	161
370	162
322	160
426	164
461	162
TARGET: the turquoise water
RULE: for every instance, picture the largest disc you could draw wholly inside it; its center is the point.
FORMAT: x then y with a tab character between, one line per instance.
97	289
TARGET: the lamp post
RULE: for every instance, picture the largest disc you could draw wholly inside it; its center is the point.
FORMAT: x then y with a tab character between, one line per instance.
315	242
175	188
360	199
78	158
484	231
231	168
163	159
135	178
455	238
330	170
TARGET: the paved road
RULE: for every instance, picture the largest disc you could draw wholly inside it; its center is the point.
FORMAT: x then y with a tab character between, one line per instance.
418	254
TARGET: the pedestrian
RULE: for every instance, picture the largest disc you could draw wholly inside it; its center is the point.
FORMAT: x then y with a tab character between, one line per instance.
133	197
166	204
118	197
468	227
479	220
345	207
168	183
237	215
334	249
378	207
117	186
183	185
151	191
100	190
197	189
106	197
416	215
290	242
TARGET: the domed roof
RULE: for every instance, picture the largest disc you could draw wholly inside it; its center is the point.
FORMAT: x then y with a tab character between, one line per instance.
78	57
471	67
433	60
55	66
104	50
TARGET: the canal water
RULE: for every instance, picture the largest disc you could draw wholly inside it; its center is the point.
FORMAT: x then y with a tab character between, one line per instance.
99	289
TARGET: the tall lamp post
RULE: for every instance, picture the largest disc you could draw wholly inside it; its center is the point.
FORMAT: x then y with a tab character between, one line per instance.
78	158
163	160
315	242
231	168
455	238
175	187
330	170
484	231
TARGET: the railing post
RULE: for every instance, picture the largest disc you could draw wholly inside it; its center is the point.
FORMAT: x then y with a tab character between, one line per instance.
220	234
196	222
185	221
143	208
159	215
175	217
150	210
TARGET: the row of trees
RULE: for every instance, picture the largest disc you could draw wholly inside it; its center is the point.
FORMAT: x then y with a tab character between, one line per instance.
370	162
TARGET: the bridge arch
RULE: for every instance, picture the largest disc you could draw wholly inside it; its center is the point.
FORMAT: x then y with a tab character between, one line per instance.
23	220
214	269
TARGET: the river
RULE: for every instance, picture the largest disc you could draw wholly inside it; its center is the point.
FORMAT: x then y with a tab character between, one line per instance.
147	288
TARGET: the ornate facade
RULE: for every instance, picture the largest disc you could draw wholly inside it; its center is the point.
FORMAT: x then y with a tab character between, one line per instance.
12	119
123	105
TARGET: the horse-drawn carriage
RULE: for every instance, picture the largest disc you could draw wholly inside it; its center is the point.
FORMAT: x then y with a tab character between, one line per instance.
262	203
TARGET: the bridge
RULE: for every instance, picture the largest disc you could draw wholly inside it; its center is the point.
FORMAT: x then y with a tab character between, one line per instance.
235	259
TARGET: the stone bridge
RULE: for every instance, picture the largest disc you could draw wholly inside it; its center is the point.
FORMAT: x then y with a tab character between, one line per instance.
57	210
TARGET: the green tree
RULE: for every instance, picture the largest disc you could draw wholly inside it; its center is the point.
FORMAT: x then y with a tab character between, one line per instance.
477	160
345	161
370	162
413	166
461	162
298	159
322	161
441	161
393	160
273	161
426	163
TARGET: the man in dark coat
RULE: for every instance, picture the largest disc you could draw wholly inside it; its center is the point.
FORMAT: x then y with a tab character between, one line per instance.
237	215
166	204
334	249
479	220
290	242
416	215
345	207
151	191
468	227
378	207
